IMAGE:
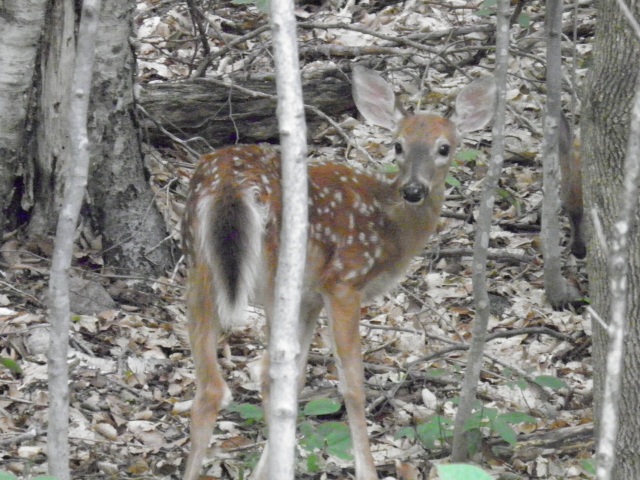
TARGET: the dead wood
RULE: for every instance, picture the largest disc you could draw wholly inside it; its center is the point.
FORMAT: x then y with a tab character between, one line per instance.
241	111
564	441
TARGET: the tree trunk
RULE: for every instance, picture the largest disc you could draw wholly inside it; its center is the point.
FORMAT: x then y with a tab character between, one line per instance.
612	83
284	342
21	26
32	169
34	136
559	292
122	202
48	169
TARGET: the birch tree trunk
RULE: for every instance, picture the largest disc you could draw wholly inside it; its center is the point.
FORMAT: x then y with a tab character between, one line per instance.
21	23
78	161
284	345
122	203
51	143
33	137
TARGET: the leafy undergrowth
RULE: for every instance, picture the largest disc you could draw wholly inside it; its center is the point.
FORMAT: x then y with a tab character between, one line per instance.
132	379
132	376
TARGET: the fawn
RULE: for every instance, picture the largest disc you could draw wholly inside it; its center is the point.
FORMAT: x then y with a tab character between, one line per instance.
571	186
364	229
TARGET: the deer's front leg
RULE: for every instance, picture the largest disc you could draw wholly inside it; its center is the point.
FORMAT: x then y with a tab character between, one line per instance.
343	307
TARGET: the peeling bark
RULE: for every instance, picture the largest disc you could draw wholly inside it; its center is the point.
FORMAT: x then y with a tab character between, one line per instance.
122	203
21	24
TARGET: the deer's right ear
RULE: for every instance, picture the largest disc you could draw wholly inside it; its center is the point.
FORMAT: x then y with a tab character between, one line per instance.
375	99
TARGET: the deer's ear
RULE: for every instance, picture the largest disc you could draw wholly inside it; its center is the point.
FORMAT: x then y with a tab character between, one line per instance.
475	105
375	99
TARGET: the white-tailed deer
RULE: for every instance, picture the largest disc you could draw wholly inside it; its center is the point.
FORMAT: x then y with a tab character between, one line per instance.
571	186
364	230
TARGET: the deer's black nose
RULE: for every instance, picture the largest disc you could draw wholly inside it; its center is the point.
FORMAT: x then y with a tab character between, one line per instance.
414	192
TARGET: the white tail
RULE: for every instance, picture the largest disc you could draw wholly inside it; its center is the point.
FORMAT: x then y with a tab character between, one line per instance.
364	230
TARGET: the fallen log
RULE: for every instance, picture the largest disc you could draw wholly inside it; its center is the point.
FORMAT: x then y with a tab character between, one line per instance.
240	111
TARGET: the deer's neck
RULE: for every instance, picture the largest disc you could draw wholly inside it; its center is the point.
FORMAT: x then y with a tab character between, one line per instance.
417	222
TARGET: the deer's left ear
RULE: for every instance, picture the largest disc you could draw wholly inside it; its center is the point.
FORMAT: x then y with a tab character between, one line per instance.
475	105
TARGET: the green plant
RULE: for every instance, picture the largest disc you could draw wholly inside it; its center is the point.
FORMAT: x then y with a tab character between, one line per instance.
467	155
326	438
323	439
497	423
261	5
507	196
554	383
463	156
13	366
452	181
431	434
547	381
320	407
439	429
10	476
487	8
248	412
319	440
460	471
589	465
524	20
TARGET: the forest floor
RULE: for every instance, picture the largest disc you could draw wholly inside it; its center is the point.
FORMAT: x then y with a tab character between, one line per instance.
132	375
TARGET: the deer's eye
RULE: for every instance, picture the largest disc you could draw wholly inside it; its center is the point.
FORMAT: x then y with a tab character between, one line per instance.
398	147
444	150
